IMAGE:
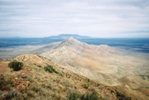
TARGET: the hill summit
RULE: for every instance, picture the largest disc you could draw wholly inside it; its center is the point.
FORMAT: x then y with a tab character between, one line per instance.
71	39
70	42
106	64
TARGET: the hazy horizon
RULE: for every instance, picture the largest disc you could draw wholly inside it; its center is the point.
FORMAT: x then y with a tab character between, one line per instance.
103	19
79	35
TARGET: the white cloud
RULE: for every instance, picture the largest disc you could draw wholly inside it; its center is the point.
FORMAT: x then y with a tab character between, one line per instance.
102	18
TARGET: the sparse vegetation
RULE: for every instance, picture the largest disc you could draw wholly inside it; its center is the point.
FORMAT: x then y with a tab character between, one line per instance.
122	96
50	69
15	65
90	96
73	96
35	83
12	95
87	96
144	77
85	85
5	83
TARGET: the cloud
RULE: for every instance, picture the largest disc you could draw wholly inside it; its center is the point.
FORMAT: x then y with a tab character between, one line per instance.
102	18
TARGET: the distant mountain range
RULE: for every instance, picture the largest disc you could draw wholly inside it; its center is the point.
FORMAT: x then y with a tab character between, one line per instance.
65	36
139	45
10	42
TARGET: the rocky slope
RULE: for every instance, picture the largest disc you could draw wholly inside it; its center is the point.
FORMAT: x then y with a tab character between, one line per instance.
33	82
106	64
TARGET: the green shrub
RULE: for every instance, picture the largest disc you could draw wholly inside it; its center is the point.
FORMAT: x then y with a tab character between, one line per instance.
13	95
5	83
15	65
87	96
90	96
50	69
121	96
73	96
85	85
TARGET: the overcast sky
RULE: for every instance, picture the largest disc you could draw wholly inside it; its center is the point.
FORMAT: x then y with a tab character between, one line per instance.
96	18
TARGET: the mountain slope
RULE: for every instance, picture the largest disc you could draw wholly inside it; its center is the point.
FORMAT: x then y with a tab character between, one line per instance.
34	83
99	62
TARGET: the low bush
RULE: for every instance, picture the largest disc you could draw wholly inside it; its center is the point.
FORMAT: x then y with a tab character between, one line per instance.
87	96
5	83
15	65
90	96
73	96
121	96
50	69
12	95
85	85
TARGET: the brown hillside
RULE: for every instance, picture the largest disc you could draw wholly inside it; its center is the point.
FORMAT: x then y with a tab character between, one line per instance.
34	83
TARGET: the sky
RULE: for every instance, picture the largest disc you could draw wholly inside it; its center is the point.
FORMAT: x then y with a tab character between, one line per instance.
96	18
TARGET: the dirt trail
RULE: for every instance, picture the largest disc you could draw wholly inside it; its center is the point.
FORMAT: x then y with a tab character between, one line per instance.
3	67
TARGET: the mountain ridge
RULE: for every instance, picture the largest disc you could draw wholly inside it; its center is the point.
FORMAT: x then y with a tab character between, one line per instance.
97	62
33	82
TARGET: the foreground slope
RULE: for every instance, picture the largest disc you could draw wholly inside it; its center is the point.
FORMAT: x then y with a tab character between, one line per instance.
99	62
34	83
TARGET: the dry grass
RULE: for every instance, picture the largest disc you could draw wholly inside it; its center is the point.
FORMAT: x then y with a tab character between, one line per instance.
34	83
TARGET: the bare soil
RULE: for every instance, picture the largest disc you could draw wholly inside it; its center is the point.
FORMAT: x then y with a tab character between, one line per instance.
3	67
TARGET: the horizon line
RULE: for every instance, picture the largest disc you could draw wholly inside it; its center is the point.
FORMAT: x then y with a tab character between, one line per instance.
71	36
